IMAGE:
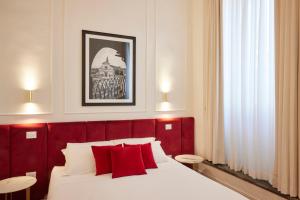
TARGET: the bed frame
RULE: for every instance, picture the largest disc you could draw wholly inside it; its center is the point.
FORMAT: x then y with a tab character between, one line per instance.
19	155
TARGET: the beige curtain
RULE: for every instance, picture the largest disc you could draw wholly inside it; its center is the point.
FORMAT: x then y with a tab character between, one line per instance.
287	158
213	94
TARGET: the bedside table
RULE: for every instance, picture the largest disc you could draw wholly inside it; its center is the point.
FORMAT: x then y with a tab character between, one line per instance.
190	159
14	184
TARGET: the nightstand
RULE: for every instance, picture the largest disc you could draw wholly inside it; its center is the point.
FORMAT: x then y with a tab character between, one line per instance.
14	184
190	159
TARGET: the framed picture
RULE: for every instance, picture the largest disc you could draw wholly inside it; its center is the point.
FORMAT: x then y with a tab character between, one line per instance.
108	69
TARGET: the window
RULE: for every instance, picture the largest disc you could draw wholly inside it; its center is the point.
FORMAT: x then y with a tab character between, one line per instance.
249	86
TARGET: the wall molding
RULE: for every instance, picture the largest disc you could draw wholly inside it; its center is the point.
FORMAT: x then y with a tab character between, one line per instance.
117	109
158	108
44	109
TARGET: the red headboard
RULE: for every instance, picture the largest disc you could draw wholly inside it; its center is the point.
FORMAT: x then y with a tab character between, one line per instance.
29	155
59	134
4	152
19	155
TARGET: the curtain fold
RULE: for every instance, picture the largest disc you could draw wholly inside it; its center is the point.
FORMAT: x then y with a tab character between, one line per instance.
249	86
287	157
213	84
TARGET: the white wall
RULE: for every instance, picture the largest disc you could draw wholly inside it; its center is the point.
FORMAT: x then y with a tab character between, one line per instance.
162	28
24	54
173	67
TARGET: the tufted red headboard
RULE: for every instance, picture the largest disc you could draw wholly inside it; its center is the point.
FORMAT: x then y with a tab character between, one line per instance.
19	155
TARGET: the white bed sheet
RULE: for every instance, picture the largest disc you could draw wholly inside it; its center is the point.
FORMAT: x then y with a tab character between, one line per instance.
171	181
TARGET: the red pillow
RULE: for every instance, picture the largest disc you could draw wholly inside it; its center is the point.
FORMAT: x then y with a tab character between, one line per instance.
103	159
127	161
147	155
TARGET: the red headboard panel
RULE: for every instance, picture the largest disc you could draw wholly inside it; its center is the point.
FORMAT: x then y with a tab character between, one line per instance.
170	139
59	134
118	129
29	155
4	152
187	132
95	131
143	128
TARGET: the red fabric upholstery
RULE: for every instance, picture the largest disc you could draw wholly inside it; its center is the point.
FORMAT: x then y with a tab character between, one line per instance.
187	132
143	128
59	134
127	161
28	155
4	152
147	154
118	129
170	139
95	131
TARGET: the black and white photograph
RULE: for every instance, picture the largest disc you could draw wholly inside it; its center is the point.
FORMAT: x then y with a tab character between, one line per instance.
108	69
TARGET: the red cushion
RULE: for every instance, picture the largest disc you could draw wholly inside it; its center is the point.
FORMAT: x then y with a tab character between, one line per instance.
127	161
147	154
102	157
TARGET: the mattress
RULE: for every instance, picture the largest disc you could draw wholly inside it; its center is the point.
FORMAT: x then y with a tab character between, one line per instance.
171	180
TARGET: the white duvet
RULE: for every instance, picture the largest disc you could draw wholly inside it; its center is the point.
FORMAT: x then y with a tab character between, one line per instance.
171	181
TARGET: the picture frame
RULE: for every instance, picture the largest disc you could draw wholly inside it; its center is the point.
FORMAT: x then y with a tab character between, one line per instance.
108	69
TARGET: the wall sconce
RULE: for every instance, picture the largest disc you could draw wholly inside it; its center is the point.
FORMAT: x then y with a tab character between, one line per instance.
30	107
165	104
165	97
29	98
165	88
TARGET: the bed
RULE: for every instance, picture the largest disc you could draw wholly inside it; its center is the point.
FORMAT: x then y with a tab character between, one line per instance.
171	180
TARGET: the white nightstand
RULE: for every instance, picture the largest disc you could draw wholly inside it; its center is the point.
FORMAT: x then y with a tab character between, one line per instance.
14	184
190	159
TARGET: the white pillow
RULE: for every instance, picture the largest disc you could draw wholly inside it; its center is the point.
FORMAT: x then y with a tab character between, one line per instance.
64	151
134	140
158	153
79	157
